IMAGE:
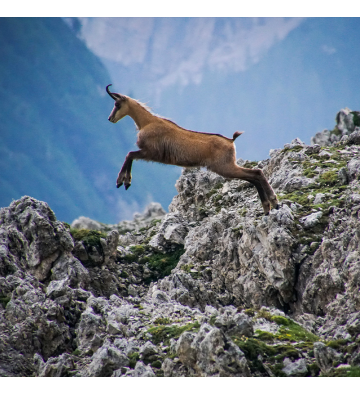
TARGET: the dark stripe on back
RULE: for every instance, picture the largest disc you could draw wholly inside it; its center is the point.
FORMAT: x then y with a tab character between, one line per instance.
193	131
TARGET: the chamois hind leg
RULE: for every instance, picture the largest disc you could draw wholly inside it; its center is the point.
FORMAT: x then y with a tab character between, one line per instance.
255	177
124	176
263	197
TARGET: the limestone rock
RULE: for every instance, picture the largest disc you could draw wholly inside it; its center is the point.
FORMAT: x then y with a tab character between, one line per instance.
210	353
297	368
213	288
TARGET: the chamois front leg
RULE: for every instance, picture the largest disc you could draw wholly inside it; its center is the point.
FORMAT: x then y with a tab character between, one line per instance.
124	176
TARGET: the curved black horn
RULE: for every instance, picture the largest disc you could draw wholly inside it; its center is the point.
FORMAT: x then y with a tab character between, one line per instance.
111	95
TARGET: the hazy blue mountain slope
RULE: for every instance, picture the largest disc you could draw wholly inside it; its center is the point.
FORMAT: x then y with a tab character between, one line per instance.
56	143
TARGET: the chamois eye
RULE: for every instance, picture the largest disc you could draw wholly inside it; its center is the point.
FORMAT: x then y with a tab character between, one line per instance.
117	105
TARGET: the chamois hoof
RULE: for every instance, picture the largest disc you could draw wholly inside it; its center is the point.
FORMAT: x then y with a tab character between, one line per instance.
119	185
127	186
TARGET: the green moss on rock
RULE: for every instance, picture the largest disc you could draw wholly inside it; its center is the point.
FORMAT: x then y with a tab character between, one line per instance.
162	264
163	333
162	321
88	237
346	371
329	178
337	344
356	118
133	358
4	300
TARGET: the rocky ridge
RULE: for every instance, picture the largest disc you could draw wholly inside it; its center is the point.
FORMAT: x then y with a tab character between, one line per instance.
212	288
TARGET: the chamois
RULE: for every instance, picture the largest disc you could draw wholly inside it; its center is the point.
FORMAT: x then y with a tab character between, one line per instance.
161	140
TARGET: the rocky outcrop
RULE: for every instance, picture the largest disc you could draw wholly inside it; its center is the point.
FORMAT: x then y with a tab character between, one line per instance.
212	288
153	212
346	130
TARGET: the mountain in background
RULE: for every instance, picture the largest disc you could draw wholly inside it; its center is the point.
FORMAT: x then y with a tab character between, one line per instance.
274	78
56	143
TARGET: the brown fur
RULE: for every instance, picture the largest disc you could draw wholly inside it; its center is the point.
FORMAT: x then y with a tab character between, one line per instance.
161	140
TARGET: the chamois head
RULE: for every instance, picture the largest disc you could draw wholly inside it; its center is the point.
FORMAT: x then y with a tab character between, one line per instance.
120	109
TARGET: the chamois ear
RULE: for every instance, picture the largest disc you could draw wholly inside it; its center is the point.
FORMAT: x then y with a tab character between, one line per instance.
115	96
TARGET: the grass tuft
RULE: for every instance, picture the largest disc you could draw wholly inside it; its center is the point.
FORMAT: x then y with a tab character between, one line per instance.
164	333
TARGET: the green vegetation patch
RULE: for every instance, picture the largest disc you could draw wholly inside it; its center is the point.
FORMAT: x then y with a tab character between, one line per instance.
238	231
250	312
163	333
154	222
348	371
157	364
250	165
289	331
316	232
264	347
264	336
242	212
334	164
329	178
328	183
356	118
293	332
186	268
337	344
88	237
280	320
336	131
135	253
214	190
297	148
212	320
254	348
264	314
133	358
159	263
4	300
162	264
257	350
67	226
124	274
162	321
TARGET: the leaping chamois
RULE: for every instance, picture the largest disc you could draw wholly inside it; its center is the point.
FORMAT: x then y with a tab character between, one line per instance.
161	140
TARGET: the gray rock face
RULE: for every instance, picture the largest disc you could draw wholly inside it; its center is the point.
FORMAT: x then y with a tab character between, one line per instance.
210	353
326	357
297	368
31	236
212	288
311	220
173	230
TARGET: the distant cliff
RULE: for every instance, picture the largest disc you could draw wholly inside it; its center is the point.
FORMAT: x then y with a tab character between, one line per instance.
212	288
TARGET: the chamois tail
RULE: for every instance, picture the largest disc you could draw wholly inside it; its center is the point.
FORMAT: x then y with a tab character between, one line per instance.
236	135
